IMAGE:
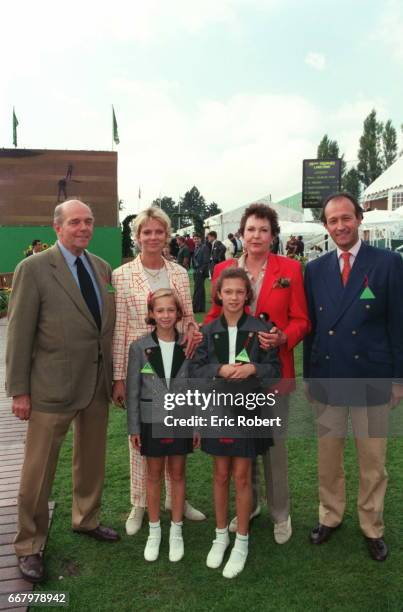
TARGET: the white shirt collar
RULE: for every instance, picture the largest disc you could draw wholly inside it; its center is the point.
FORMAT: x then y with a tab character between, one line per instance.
353	251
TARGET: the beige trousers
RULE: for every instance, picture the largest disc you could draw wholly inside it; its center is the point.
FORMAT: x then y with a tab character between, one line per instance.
46	432
367	424
275	465
138	479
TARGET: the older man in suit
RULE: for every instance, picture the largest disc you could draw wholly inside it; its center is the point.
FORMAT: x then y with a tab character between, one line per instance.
353	363
59	371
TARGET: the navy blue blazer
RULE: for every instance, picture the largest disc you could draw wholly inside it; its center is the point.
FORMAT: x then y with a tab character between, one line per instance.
355	336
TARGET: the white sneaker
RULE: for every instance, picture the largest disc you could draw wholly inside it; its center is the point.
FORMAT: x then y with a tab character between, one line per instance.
192	514
217	552
283	531
233	526
134	520
235	563
152	549
176	548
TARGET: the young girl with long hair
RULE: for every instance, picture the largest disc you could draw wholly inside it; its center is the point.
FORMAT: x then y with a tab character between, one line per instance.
230	351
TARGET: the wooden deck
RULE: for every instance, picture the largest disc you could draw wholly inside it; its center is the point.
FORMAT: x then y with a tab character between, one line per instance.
12	436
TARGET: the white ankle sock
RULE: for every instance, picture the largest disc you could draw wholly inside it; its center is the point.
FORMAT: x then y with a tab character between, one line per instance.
176	526
222	534
242	542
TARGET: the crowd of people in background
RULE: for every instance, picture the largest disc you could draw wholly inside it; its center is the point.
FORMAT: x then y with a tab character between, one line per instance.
200	254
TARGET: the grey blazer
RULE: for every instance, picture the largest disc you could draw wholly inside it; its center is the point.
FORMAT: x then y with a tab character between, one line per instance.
213	352
145	391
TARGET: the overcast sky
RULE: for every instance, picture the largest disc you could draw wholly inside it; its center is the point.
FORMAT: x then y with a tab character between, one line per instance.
227	95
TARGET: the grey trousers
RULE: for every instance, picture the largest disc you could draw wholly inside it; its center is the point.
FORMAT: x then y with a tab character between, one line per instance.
275	466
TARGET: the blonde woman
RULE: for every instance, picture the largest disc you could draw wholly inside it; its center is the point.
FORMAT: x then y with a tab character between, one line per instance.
133	283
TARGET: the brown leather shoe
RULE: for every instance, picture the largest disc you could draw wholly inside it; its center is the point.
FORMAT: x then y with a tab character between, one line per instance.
377	548
105	534
321	533
31	568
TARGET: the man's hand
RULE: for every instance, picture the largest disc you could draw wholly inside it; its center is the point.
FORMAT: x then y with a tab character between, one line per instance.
22	407
275	337
119	393
397	395
243	370
191	340
135	441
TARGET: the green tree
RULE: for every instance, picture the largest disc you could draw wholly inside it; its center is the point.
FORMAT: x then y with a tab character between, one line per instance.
389	144
192	203
351	182
127	242
370	150
194	209
170	207
212	209
328	149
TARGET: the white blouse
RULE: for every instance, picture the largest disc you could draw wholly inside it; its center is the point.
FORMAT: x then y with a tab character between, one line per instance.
167	354
232	333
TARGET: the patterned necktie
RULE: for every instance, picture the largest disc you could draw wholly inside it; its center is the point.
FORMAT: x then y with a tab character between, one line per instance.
346	268
88	291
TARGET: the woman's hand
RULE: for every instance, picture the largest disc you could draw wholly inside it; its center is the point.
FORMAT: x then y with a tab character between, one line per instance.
275	337
135	441
227	370
119	393
191	340
243	370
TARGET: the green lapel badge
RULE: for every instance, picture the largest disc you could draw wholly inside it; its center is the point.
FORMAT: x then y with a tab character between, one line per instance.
243	356
367	294
147	369
110	288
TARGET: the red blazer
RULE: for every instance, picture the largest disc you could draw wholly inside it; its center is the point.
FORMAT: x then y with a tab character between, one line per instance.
286	307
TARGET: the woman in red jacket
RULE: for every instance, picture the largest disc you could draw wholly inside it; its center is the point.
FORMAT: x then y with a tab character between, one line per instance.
279	294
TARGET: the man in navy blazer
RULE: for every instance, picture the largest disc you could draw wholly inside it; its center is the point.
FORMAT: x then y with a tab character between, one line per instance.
353	365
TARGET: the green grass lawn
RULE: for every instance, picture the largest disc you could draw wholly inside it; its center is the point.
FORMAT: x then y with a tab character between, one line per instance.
296	576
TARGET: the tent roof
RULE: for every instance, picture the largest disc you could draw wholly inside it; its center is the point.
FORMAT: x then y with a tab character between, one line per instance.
301	228
381	217
392	178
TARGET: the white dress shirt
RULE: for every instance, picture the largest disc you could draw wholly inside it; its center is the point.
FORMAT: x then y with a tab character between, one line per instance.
353	254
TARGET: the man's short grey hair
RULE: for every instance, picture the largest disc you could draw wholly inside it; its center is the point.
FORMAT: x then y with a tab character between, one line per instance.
58	215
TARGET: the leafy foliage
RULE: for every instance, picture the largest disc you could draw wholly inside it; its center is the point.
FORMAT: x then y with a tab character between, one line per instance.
127	242
191	209
389	144
370	164
351	182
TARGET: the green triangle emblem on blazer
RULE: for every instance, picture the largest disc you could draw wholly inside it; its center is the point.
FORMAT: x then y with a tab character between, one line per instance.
243	356
147	369
367	294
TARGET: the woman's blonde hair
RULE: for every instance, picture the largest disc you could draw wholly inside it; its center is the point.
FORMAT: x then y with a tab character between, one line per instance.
160	293
152	212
